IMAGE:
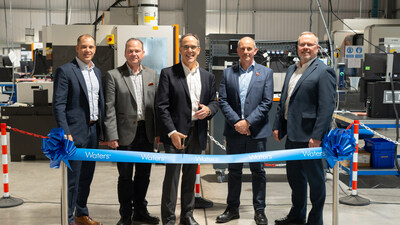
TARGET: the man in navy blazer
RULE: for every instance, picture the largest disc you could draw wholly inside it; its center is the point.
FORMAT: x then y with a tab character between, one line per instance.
78	107
304	115
245	98
186	99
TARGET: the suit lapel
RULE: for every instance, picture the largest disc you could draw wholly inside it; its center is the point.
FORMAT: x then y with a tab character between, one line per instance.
146	80
81	79
128	81
204	84
182	78
286	84
253	78
306	73
235	80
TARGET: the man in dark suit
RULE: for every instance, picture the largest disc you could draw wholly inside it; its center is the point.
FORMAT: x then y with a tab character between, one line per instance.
186	99
245	98
78	106
304	115
130	92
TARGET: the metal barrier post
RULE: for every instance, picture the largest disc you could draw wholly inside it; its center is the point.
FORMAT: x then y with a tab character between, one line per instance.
335	195
6	201
64	194
354	199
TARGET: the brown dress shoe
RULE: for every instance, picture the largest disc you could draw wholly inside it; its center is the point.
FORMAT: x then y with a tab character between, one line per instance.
85	220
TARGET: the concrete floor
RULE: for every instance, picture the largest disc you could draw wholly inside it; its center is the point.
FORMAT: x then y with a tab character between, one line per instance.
39	187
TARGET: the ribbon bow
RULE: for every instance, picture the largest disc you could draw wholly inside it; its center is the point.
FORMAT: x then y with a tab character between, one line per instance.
57	148
338	144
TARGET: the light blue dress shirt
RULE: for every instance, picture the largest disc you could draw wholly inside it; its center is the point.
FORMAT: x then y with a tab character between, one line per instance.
244	81
93	88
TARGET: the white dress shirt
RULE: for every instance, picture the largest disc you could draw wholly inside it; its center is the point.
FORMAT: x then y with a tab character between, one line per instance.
194	85
137	81
92	86
293	81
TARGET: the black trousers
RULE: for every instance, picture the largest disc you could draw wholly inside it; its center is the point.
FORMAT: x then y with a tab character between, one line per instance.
133	192
299	173
244	144
171	180
80	178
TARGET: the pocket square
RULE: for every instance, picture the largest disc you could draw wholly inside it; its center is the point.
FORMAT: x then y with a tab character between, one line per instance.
257	73
150	84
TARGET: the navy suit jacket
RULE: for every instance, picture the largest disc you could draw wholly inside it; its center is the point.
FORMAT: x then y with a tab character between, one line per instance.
311	104
71	104
258	100
174	107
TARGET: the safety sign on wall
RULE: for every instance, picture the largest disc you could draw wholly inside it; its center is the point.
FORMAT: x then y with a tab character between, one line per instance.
354	52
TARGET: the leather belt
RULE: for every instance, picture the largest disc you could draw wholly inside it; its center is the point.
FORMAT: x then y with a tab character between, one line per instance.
140	123
93	121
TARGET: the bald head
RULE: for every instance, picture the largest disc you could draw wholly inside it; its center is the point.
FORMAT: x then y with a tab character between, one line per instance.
246	50
247	39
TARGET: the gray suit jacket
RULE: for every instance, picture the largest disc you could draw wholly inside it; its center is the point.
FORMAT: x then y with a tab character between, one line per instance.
311	104
121	107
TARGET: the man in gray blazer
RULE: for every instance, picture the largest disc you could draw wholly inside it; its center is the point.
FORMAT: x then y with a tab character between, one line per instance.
304	115
130	92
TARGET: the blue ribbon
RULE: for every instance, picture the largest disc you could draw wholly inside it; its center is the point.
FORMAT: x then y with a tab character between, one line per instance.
57	148
338	144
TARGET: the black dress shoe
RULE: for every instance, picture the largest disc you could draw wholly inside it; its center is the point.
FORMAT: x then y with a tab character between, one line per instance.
289	221
144	216
189	220
227	216
125	221
260	218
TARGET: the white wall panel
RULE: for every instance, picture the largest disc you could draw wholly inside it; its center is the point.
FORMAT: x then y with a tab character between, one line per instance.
58	4
245	21
170	5
282	26
213	24
270	20
21	19
170	18
304	5
215	4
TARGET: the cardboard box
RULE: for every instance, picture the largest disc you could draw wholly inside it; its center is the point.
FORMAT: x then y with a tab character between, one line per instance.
364	159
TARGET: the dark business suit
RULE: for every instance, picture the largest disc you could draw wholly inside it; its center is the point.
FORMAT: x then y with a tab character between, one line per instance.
121	124
71	112
258	102
174	109
309	115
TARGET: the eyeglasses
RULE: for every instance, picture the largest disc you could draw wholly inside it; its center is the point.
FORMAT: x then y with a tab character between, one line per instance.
306	44
187	47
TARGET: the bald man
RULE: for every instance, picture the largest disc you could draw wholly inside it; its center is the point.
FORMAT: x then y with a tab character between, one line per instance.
245	98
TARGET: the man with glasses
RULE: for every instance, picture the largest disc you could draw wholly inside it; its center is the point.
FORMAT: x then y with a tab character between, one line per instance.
246	95
304	115
130	92
186	99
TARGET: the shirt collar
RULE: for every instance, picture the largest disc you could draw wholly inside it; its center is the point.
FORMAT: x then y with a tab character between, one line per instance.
251	67
305	65
187	70
83	65
131	71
